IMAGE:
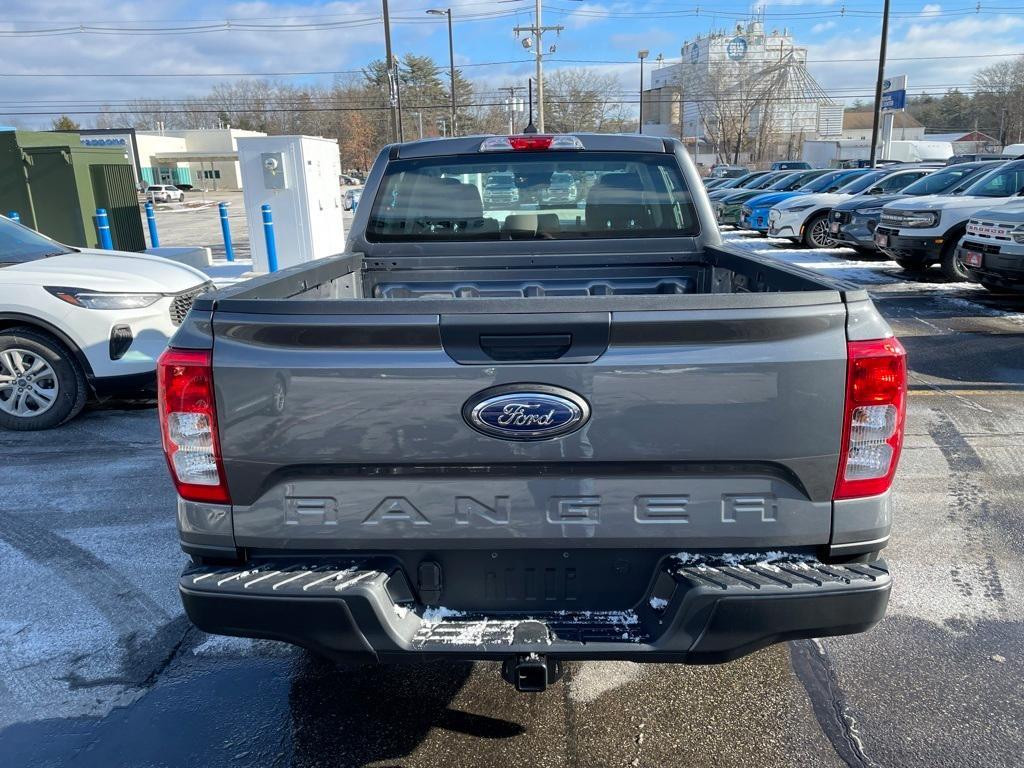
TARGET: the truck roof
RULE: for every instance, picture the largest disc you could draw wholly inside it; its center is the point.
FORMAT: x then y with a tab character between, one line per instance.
470	145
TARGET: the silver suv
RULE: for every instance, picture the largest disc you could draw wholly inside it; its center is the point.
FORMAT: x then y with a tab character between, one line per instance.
992	250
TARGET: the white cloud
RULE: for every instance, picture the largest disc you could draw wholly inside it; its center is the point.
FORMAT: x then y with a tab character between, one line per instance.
918	49
824	26
585	15
931	9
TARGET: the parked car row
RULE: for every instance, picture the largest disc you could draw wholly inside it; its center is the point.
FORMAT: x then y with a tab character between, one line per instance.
918	215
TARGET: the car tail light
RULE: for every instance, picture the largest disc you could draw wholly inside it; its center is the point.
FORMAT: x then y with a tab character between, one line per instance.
188	423
876	404
529	142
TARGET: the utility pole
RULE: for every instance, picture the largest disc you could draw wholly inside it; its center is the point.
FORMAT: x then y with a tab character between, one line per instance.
394	99
513	106
537	33
878	81
640	122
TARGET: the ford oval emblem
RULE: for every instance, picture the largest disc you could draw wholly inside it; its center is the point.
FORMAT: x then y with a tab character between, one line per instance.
526	412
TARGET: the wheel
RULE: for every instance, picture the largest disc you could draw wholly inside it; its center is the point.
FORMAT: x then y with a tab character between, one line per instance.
816	233
909	265
950	265
41	385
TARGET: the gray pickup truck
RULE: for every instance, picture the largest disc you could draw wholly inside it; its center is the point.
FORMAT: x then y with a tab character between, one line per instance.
516	432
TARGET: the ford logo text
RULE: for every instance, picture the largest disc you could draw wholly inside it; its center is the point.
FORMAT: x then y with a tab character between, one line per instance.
526	412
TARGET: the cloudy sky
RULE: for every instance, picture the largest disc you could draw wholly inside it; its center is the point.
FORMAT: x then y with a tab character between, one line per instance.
66	56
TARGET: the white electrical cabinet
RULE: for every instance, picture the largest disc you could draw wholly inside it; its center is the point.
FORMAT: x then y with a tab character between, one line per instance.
298	176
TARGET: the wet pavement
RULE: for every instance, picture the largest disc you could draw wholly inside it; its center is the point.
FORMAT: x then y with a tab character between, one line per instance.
98	666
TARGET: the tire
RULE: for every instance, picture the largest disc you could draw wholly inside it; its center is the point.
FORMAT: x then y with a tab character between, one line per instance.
26	408
816	232
950	265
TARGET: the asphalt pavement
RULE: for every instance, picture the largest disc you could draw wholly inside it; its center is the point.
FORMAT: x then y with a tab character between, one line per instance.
99	667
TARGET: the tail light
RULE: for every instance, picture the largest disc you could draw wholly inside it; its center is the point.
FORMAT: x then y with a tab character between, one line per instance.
529	142
876	404
188	423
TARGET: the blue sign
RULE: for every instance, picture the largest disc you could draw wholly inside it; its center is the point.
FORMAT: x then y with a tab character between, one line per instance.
894	101
737	48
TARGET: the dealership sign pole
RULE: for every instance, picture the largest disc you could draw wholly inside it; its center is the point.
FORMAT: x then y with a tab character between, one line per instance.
894	99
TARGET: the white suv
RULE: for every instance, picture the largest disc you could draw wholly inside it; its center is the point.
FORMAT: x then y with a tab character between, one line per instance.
76	323
920	231
164	193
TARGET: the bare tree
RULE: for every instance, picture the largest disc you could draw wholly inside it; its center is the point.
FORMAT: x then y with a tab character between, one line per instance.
999	99
736	105
580	100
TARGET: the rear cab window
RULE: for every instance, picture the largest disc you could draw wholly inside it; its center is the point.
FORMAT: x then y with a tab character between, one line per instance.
532	195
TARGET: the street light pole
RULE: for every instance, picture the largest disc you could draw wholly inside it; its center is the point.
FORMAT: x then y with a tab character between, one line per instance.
878	81
642	55
451	57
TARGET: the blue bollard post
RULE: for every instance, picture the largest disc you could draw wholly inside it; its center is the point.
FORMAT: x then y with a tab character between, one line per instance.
13	216
154	238
225	228
103	229
268	234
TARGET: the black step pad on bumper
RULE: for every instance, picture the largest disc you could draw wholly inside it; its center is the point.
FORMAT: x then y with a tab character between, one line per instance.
697	612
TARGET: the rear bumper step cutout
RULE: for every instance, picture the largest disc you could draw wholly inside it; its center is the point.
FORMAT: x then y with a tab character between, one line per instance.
696	612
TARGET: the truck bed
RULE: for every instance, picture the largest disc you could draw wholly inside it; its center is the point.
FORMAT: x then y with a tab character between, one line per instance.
350	283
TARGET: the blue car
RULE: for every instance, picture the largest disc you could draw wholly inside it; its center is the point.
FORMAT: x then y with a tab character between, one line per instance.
754	214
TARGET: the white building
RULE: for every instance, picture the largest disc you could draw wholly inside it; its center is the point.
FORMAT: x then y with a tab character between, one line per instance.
679	103
205	158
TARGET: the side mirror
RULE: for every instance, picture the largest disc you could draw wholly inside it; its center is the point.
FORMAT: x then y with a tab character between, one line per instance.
875	191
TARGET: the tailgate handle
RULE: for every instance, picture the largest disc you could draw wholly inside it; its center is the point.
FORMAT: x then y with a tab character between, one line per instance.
525	346
542	337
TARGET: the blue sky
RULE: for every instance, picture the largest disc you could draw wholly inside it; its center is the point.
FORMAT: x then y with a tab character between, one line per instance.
940	44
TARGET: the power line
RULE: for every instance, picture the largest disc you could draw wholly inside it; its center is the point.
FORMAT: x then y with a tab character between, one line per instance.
78	26
374	108
323	72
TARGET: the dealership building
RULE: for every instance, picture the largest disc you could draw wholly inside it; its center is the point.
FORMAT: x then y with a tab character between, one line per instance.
205	158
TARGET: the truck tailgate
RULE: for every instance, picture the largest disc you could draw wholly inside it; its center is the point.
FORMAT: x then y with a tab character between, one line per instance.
717	426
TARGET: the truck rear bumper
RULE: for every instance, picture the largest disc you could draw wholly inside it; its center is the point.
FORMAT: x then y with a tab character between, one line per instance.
698	613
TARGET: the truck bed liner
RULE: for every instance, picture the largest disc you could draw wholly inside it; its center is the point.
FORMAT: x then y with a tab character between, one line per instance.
717	277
